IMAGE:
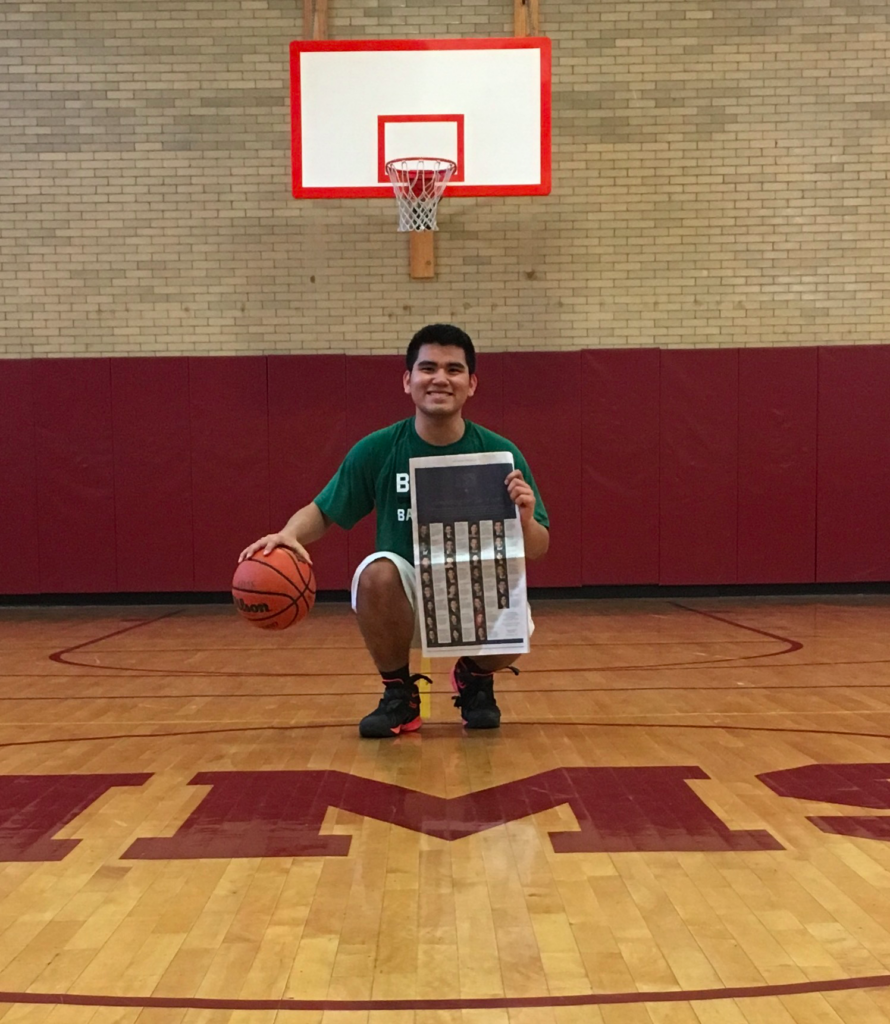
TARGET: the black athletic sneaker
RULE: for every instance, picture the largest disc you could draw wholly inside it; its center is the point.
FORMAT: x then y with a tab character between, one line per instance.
398	711
475	697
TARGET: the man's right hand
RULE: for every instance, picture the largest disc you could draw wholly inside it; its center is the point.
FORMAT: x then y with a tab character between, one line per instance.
276	540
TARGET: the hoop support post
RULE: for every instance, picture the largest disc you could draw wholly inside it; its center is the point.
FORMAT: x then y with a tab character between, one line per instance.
526	18
422	255
315	19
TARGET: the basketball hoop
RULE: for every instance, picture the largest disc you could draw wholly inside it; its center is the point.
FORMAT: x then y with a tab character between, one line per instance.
418	182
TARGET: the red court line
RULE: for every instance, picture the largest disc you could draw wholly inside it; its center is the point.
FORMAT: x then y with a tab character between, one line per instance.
135	673
59	656
452	724
790	647
793	645
561	645
495	1003
442	690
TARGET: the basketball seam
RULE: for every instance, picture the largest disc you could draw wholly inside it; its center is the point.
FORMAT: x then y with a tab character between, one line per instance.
301	588
265	593
305	583
262	561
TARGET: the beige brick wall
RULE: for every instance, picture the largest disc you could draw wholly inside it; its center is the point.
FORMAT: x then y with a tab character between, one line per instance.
720	178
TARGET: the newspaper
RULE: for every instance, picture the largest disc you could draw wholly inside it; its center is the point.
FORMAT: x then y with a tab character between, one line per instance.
469	556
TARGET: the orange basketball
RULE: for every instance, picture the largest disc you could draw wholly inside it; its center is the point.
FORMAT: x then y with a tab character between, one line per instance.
273	591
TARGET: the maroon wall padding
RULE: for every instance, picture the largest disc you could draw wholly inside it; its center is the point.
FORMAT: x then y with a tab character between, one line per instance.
230	463
777	465
75	476
699	466
375	398
20	558
853	539
152	474
487	407
702	467
618	465
542	416
307	442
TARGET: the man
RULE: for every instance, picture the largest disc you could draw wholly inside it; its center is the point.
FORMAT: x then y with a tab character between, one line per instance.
440	377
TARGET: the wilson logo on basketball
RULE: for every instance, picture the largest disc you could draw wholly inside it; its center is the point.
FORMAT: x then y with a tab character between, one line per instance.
243	606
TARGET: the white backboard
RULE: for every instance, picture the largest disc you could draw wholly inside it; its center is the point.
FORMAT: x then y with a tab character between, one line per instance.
483	103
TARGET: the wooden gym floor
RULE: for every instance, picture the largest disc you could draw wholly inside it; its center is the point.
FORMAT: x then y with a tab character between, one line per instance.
683	819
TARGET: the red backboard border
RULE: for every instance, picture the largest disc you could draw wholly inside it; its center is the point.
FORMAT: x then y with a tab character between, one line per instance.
384	119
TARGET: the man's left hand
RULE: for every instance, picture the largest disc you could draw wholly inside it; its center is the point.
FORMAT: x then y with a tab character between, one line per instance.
521	494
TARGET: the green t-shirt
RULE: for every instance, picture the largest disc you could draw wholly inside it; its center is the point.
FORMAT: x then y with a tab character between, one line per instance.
375	474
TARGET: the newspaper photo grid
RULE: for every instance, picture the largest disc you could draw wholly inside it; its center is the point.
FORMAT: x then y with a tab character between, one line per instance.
469	556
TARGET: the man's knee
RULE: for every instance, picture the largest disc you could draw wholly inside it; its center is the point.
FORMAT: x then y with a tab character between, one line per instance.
380	581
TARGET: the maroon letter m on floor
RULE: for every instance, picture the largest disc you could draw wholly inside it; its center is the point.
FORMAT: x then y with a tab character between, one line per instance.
279	814
33	808
852	785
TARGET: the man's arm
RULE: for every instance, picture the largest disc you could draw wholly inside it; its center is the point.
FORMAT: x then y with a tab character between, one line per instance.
537	539
305	526
535	536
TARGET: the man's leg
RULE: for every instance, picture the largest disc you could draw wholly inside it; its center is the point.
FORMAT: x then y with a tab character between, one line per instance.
473	684
386	618
472	679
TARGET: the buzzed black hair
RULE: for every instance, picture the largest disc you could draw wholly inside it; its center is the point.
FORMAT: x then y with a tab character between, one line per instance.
441	334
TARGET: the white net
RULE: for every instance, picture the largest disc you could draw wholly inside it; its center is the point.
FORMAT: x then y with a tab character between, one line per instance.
419	182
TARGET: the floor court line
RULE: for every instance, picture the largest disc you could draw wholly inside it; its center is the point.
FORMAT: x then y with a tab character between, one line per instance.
451	725
791	646
767	688
490	1003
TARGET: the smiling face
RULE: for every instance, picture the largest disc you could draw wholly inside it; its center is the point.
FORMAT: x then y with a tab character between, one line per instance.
440	382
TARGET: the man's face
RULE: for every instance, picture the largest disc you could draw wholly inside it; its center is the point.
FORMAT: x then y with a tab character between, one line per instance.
440	381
